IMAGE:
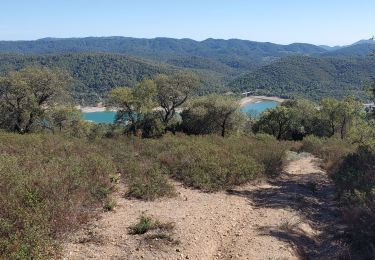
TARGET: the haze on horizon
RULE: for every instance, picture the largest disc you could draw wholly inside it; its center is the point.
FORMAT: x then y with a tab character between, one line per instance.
333	22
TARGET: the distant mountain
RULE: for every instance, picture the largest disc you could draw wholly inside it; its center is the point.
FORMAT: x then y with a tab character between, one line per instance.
233	53
101	63
308	77
356	50
369	41
95	74
330	48
360	42
156	46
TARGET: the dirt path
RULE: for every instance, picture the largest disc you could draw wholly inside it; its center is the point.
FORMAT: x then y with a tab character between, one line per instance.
290	217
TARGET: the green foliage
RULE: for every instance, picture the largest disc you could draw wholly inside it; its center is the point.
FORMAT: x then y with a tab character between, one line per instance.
173	91
308	77
152	126
63	118
212	163
276	121
27	95
133	103
352	170
330	150
94	74
295	119
355	182
213	114
49	186
339	116
147	182
207	162
98	65
147	224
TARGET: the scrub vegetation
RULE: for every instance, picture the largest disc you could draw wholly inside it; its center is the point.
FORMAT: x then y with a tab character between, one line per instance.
57	171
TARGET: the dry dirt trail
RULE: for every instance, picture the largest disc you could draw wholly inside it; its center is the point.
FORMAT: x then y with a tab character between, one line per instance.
290	217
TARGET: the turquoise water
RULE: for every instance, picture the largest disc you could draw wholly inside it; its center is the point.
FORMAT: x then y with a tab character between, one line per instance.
100	117
253	109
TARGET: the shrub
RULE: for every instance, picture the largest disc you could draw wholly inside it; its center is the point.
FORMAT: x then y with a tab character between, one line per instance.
355	182
147	223
49	185
353	172
152	126
331	150
212	163
148	184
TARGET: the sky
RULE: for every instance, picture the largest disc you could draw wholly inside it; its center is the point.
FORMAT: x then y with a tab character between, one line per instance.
329	22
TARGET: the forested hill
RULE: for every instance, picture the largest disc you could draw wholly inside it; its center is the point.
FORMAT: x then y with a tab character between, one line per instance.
234	53
355	50
101	63
158	47
97	73
309	77
94	73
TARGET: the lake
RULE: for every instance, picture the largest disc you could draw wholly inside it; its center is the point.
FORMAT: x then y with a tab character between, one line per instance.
99	117
255	109
109	116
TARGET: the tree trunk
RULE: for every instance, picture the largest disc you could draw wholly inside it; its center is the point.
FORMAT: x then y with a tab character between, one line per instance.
223	128
342	130
29	123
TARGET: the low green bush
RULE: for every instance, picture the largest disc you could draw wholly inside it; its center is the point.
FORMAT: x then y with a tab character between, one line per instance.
148	183
330	150
147	223
212	163
355	183
352	169
49	185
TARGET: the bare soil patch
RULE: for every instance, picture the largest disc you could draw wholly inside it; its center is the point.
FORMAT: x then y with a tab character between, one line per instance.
293	216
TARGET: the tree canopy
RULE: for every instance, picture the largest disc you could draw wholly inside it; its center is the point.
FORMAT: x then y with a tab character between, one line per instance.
173	91
212	114
26	96
133	103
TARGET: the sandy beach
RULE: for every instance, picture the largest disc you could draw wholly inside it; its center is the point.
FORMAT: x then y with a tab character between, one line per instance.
92	109
257	99
243	102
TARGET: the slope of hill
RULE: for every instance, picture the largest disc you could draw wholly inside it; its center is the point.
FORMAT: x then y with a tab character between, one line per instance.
297	69
362	49
157	46
231	52
94	73
301	76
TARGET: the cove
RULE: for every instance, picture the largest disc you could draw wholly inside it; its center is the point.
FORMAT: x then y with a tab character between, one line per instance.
255	109
107	117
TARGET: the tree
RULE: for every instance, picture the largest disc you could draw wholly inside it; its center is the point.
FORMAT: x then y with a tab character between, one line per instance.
329	111
63	117
173	91
133	103
212	114
27	95
373	85
303	116
276	121
339	115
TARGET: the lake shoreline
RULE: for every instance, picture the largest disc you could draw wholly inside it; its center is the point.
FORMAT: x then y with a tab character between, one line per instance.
243	102
256	99
95	109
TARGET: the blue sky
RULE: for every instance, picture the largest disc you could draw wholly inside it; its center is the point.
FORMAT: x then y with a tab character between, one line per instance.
332	22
